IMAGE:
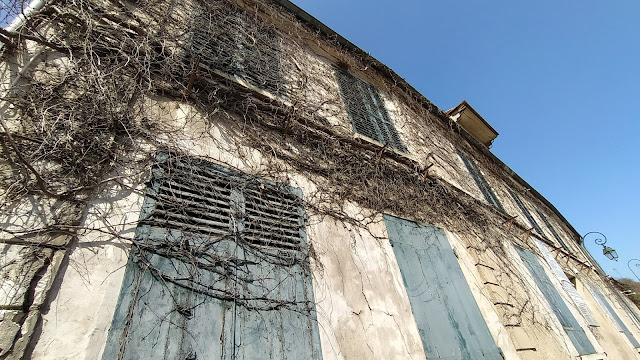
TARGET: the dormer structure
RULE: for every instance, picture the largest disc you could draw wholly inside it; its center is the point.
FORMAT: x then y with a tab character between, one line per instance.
467	117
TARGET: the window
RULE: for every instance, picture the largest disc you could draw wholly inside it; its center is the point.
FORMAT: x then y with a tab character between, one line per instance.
567	283
552	230
366	110
525	211
611	313
480	180
219	268
449	320
569	323
230	41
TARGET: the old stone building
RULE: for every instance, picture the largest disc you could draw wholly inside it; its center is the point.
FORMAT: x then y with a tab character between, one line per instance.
232	179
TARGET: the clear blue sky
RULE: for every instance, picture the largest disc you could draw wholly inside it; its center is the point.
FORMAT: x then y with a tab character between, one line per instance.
559	80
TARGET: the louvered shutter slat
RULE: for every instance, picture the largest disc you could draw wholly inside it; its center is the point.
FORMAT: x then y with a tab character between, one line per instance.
566	284
230	41
611	313
206	261
480	181
525	211
571	326
367	111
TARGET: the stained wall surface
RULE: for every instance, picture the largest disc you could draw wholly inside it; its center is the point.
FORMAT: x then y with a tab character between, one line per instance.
58	301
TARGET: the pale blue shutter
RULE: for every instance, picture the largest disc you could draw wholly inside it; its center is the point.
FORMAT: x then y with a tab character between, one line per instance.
567	320
448	318
602	300
219	270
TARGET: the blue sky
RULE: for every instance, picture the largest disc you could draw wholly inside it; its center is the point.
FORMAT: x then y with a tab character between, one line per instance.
557	79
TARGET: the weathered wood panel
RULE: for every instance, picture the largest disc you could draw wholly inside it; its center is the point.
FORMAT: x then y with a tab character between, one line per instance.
234	289
448	318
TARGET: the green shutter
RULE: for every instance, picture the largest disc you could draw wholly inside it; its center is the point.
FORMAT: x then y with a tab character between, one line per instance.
567	320
448	318
366	110
219	270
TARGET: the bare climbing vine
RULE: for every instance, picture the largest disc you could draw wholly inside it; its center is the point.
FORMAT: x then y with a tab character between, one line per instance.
93	90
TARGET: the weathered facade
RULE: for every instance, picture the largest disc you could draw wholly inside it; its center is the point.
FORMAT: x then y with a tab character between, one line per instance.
232	179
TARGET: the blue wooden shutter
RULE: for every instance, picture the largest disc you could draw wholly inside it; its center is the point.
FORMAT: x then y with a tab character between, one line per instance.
477	176
448	318
608	309
567	320
525	211
366	110
219	270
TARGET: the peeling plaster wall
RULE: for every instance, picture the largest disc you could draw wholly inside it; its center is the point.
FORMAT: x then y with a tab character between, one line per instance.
363	308
83	300
67	297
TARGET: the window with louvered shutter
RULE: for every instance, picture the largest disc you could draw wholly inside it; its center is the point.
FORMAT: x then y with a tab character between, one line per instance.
198	197
567	285
569	323
479	179
552	230
219	268
366	110
525	211
611	313
230	41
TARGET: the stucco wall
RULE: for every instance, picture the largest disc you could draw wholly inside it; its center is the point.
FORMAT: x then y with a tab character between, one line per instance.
362	306
75	324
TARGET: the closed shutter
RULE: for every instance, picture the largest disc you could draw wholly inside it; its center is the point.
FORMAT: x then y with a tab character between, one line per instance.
367	111
219	270
611	313
628	308
477	176
566	284
525	211
552	229
448	318
567	320
230	41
